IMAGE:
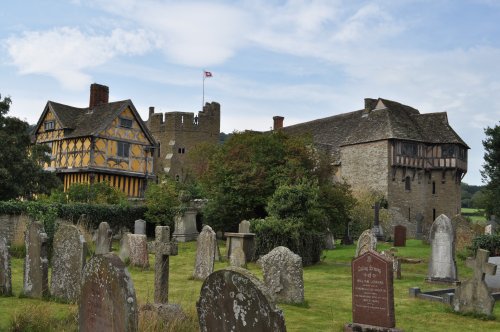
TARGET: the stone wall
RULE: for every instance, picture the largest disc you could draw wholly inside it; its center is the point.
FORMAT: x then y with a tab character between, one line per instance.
179	132
365	166
13	226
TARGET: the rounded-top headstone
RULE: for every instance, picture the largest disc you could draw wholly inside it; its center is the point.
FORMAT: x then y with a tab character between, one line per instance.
140	227
442	265
244	227
367	241
234	300
108	301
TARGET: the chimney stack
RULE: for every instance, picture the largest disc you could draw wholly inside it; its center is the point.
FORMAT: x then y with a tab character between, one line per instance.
278	122
151	111
99	95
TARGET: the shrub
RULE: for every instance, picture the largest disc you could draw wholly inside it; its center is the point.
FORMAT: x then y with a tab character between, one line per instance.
162	201
487	242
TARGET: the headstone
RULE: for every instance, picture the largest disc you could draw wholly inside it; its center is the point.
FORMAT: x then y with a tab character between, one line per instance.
70	251
464	233
329	240
473	295
442	265
347	239
245	241
390	255
493	281
419	218
164	248
5	270
135	246
205	253
244	227
36	264
283	275
399	236
238	258
140	227
372	294
185	226
107	301
366	241
488	230
234	300
104	237
377	228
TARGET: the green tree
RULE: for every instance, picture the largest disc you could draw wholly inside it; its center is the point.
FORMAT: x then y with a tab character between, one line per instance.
491	170
243	173
20	172
96	193
162	203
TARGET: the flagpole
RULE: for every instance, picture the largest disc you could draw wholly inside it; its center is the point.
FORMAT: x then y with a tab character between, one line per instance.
203	98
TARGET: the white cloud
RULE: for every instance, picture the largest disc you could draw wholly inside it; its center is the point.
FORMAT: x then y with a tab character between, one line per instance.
64	53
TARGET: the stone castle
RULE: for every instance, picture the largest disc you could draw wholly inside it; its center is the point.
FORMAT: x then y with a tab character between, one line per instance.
178	132
416	161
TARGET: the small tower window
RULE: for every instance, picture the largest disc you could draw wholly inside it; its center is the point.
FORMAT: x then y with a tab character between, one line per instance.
407	183
126	123
49	125
433	187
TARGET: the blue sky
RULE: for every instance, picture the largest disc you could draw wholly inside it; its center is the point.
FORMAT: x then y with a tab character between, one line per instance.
300	59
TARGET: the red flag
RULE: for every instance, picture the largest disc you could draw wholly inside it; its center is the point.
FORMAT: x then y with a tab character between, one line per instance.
207	73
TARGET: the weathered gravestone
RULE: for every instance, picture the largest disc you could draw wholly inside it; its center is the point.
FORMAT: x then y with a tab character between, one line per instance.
399	236
70	251
465	232
234	300
366	241
140	227
238	258
493	281
419	218
473	295
5	271
107	301
329	240
390	255
104	238
442	265
372	294
244	227
36	264
164	248
488	230
283	275
205	253
134	247
245	241
185	226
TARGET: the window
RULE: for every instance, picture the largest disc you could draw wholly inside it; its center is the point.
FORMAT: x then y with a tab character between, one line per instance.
49	125
181	150
409	149
448	151
123	149
407	183
49	145
433	187
462	153
126	123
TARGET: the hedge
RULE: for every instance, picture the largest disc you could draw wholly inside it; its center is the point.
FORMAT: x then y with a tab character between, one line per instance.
271	233
115	215
487	242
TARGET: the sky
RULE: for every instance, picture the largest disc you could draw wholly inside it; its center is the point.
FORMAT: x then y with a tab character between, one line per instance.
300	59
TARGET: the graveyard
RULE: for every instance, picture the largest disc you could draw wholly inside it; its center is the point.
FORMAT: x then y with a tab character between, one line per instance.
327	294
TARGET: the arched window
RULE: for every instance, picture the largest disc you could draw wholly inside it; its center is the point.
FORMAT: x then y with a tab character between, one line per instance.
407	183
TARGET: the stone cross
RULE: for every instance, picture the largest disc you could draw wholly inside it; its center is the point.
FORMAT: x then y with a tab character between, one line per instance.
163	248
473	295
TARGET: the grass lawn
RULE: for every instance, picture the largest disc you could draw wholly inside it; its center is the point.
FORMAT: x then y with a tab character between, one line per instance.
327	293
474	214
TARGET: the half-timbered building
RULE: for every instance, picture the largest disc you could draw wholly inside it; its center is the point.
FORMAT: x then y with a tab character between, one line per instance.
415	160
105	142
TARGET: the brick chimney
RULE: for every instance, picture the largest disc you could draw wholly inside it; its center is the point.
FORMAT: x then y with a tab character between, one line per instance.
99	95
278	122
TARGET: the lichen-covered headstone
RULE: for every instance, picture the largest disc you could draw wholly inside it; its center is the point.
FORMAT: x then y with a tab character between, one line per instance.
206	246
70	251
36	264
104	238
238	258
107	301
140	227
136	248
233	299
244	227
5	271
442	265
283	275
473	295
366	241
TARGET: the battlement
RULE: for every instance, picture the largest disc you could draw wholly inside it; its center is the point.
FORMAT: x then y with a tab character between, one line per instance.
207	120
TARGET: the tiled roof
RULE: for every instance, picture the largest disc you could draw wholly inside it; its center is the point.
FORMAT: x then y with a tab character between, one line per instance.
391	120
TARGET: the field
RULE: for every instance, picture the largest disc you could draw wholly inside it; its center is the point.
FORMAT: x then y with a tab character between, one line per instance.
476	215
327	293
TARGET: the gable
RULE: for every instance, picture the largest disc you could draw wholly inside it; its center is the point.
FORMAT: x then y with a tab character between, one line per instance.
127	126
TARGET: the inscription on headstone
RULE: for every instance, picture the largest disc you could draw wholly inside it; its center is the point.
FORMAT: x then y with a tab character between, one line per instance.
108	301
372	291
